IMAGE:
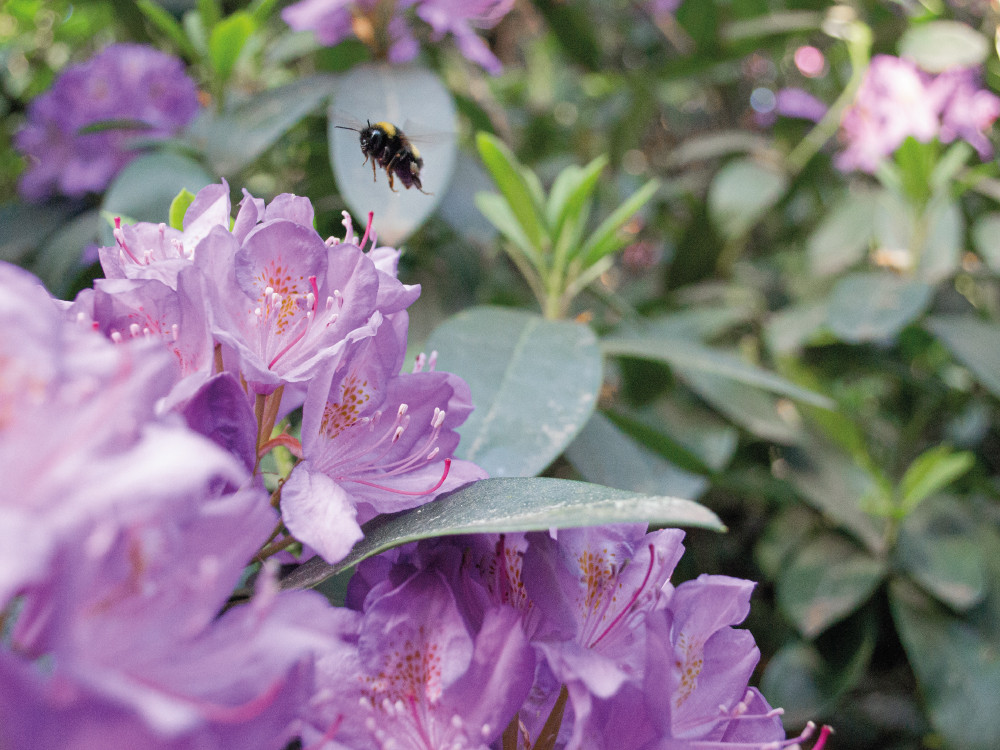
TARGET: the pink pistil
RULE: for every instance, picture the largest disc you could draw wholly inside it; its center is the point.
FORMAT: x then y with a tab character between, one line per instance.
305	328
444	476
635	597
371	215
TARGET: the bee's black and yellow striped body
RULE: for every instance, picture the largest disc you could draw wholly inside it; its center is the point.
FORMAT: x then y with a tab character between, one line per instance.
389	148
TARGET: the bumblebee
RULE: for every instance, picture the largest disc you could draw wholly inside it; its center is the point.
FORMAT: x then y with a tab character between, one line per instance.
389	148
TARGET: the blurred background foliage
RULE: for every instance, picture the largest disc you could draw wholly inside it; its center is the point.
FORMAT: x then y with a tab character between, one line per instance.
813	354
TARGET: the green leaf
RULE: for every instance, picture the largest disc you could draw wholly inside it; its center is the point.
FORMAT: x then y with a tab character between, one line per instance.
808	683
937	547
835	484
605	240
956	659
498	212
693	360
511	504
143	191
986	237
939	45
827	580
24	226
167	24
844	235
758	412
931	472
237	137
59	259
604	454
179	206
226	42
534	385
742	192
210	12
508	175
975	343
570	192
875	306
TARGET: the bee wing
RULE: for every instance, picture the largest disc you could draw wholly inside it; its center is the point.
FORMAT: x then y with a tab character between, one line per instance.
420	134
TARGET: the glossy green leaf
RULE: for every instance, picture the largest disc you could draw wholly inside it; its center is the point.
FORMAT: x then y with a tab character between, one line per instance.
956	659
511	504
974	342
875	306
693	360
179	206
603	454
144	190
939	45
825	581
226	41
509	178
937	547
931	472
534	385
741	193
237	137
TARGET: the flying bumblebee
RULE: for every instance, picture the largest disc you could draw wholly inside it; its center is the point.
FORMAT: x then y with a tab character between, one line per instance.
389	148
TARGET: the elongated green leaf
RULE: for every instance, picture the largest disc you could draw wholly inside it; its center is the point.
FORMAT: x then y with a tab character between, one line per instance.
210	11
60	258
975	343
930	472
166	23
567	197
226	42
509	178
511	504
749	407
605	238
498	212
534	385
827	580
693	358
23	227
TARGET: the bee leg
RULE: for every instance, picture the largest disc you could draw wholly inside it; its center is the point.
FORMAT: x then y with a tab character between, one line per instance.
374	175
390	181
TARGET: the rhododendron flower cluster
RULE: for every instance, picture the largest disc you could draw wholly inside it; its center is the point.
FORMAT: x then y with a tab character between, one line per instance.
133	422
332	21
80	133
476	642
897	100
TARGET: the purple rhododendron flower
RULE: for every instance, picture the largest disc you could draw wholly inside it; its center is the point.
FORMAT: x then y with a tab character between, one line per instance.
132	531
373	441
128	91
896	100
415	675
332	21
